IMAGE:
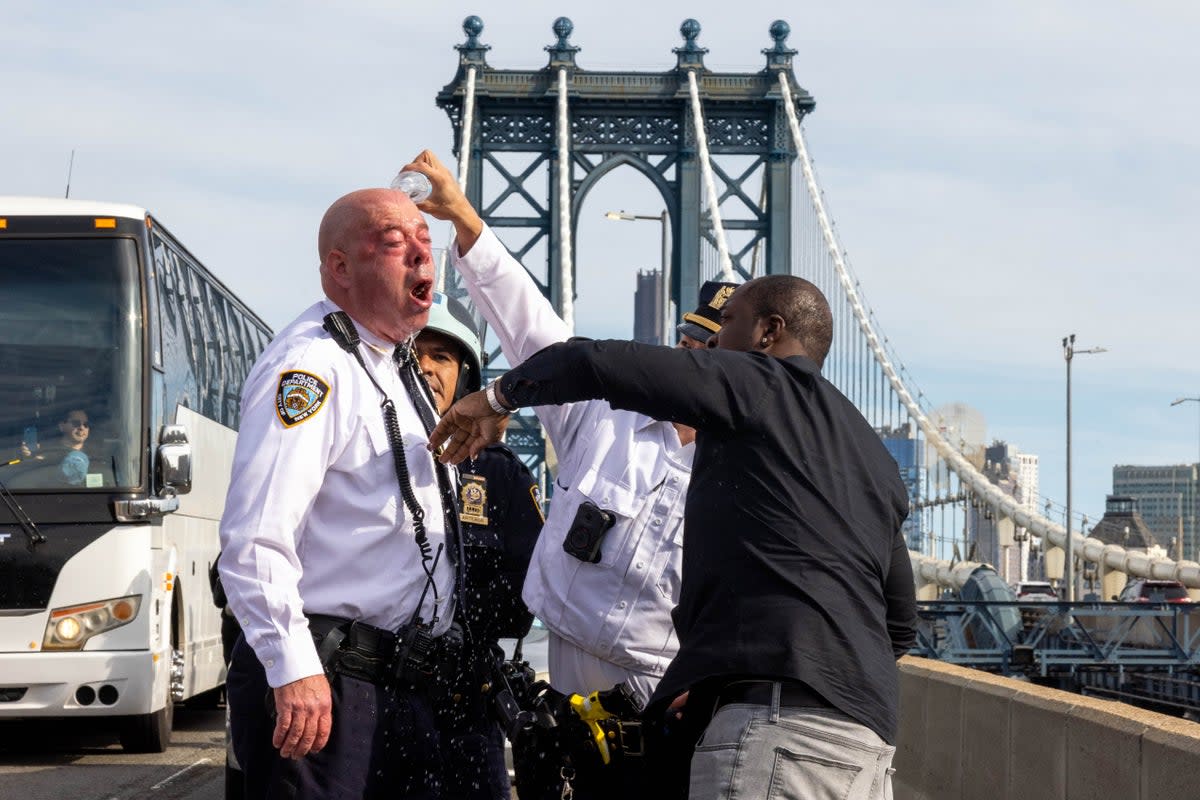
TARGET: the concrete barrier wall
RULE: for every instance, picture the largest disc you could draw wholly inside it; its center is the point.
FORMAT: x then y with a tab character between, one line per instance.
975	736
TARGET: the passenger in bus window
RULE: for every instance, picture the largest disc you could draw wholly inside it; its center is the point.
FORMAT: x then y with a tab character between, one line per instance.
74	429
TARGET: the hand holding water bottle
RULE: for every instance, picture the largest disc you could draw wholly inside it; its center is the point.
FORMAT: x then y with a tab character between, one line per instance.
414	184
447	200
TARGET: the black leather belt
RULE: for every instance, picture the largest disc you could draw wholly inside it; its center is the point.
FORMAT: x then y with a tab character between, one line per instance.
792	694
353	648
358	635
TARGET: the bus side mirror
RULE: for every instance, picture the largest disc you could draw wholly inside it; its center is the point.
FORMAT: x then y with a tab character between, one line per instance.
175	459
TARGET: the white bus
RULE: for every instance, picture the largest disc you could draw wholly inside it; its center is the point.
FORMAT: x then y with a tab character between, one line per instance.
121	368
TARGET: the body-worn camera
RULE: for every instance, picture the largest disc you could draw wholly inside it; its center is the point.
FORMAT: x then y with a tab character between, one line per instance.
586	532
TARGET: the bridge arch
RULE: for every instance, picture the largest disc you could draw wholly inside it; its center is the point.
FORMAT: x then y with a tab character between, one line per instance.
666	188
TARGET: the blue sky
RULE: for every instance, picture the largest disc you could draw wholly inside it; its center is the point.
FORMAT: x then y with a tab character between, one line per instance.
1001	174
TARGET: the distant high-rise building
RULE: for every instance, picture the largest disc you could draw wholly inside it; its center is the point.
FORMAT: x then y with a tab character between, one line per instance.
1028	492
999	541
1167	498
647	308
909	453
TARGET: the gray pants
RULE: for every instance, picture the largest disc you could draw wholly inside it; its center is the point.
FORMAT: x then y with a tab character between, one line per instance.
770	752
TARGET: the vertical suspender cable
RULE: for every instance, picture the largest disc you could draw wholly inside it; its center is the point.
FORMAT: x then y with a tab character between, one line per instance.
566	278
1112	557
710	186
464	161
464	150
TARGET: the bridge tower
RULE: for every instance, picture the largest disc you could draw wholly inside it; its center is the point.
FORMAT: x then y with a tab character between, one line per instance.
640	119
646	120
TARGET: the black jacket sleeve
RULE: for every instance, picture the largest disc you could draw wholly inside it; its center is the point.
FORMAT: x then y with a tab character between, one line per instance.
711	390
900	595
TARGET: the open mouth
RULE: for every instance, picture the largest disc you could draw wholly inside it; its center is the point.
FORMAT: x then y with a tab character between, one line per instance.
422	293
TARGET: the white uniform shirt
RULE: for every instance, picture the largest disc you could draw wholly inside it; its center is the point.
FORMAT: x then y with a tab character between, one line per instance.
618	610
314	521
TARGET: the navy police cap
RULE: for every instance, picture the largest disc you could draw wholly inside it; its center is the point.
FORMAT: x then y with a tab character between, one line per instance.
706	319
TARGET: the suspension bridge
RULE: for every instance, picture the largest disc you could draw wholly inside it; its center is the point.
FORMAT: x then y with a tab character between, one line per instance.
727	153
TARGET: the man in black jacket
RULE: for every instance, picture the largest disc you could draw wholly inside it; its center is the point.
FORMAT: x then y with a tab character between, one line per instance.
797	592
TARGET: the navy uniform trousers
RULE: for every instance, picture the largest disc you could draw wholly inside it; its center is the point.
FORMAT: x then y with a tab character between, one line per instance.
499	534
382	745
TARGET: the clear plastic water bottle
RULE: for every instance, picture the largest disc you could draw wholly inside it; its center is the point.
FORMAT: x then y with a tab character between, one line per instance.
414	184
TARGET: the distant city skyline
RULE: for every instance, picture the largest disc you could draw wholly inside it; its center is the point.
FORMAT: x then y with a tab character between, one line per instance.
1001	174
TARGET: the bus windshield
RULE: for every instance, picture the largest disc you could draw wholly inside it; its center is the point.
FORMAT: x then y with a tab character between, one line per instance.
70	364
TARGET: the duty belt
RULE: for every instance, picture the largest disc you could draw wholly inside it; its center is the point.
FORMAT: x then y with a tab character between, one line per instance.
368	653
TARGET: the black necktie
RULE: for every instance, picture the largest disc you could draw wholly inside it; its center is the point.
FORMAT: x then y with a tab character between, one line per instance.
422	399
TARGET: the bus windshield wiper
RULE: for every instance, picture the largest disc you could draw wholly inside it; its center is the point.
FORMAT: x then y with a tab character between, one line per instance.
27	525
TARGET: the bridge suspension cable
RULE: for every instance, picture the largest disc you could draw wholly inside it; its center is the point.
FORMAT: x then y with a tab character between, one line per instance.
1113	557
566	276
710	186
468	123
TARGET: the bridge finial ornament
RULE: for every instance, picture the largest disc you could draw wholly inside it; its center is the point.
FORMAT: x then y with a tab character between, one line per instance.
691	55
779	56
562	53
472	52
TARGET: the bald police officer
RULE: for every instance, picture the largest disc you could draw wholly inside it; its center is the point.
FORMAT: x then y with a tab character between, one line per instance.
337	528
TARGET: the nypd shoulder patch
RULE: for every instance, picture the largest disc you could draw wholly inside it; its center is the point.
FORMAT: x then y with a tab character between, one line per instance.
300	396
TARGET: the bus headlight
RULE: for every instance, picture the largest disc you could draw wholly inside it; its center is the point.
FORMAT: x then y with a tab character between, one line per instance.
69	627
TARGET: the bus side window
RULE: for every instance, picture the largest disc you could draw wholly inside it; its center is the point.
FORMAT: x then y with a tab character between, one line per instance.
153	300
232	359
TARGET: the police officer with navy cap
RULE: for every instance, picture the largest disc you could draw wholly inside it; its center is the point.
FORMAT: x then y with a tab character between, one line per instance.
501	517
700	325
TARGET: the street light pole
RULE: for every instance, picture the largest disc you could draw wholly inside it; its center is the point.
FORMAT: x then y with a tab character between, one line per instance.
1069	352
667	333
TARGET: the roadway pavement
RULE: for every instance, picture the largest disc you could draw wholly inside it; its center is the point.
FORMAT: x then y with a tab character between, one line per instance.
82	760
